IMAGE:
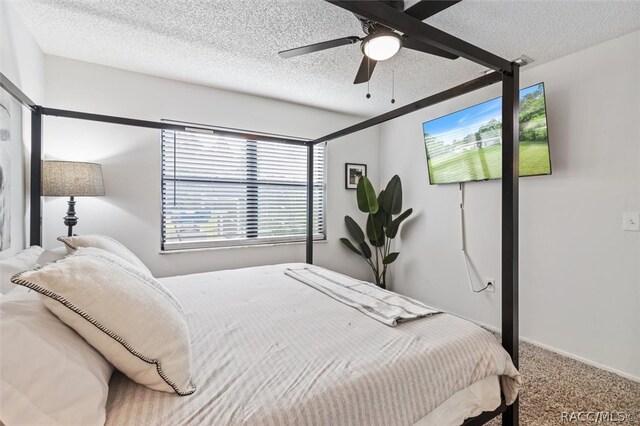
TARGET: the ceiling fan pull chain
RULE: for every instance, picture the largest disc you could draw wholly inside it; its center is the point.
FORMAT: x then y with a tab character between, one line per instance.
393	86
369	76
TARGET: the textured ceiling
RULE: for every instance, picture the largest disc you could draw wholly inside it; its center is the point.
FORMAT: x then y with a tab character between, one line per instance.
232	44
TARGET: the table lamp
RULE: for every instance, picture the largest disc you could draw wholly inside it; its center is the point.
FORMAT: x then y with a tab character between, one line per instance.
71	179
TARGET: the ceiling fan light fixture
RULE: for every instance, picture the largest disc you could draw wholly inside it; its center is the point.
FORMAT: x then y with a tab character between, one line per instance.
381	45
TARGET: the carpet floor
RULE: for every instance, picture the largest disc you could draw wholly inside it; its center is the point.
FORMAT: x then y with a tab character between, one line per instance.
555	384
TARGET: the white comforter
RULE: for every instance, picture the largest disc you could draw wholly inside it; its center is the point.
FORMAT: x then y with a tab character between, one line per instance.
270	350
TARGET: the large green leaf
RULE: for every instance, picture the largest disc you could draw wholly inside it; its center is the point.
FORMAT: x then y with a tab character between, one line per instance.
385	216
392	229
392	200
380	198
366	195
350	245
390	258
375	230
354	230
366	250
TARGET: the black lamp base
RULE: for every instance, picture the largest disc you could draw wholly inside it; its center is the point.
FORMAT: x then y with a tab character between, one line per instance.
71	220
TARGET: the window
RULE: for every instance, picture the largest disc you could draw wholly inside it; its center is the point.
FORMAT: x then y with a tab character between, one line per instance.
228	190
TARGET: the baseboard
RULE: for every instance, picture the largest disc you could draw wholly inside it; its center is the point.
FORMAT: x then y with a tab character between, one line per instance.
556	350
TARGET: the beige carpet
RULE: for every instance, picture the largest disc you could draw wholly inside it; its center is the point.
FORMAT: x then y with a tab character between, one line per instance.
554	384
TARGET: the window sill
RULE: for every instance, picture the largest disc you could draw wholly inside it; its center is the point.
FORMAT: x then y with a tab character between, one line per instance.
242	246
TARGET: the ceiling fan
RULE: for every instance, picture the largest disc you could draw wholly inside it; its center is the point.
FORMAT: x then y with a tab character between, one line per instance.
380	42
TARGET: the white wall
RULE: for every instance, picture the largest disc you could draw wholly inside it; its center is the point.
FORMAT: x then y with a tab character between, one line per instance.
22	61
579	272
130	211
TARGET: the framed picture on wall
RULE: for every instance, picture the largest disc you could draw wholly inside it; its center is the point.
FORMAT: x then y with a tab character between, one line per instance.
353	173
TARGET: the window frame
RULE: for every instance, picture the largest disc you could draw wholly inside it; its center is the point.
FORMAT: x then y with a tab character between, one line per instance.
252	141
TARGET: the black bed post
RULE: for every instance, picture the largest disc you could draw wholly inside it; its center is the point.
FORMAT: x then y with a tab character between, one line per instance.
309	258
510	176
35	229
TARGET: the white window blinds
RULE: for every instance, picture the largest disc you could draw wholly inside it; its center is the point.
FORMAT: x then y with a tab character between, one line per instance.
223	191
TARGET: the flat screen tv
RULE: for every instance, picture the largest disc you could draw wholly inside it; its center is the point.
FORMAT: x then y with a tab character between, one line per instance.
467	145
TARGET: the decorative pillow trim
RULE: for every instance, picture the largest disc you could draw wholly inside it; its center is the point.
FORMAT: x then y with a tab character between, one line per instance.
64	240
17	280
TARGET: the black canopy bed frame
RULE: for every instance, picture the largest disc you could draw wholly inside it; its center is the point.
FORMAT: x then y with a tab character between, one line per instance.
501	70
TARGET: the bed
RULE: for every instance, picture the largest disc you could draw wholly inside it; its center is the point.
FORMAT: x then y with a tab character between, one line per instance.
268	349
312	359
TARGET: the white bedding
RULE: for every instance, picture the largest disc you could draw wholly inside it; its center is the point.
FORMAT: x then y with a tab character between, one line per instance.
268	349
483	395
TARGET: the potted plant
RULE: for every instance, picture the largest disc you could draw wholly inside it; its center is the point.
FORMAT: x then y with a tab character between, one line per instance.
383	222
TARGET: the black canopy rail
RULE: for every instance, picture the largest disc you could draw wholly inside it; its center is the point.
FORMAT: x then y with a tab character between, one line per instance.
37	113
14	91
505	71
391	17
469	86
168	125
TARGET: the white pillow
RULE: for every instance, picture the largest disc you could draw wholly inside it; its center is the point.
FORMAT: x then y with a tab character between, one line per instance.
21	261
48	256
128	316
105	243
48	373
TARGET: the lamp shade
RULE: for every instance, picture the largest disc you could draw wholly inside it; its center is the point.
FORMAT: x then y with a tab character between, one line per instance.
71	179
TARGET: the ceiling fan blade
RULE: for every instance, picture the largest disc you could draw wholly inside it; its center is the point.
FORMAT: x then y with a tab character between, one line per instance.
316	47
366	69
426	8
414	44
